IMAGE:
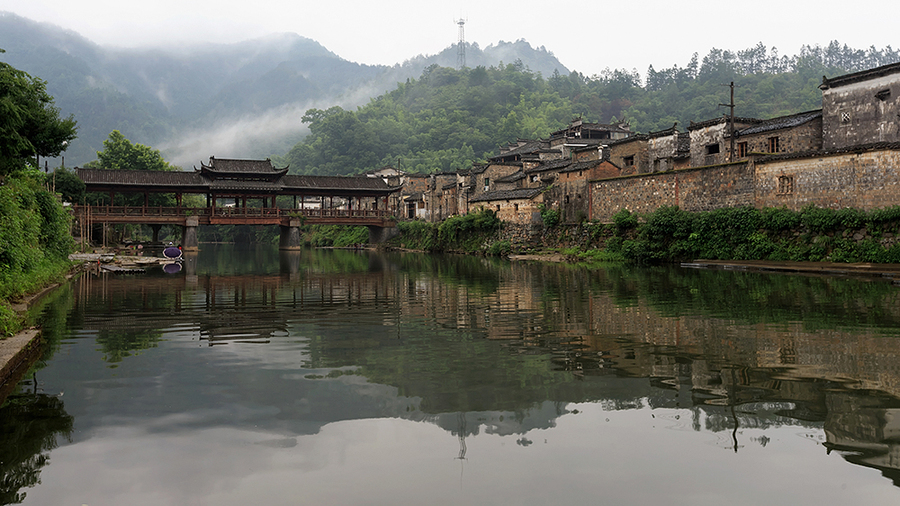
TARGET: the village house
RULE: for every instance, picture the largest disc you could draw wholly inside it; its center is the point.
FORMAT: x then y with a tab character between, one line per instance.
861	108
796	133
668	149
711	139
631	154
572	191
844	155
580	134
521	207
442	196
412	197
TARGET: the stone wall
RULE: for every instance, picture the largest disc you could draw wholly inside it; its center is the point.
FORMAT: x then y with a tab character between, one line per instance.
861	112
662	151
631	155
862	180
806	137
700	189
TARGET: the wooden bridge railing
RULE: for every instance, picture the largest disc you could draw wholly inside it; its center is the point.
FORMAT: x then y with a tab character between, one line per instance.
98	211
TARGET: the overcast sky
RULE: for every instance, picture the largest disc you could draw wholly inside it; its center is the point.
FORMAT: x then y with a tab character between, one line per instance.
586	37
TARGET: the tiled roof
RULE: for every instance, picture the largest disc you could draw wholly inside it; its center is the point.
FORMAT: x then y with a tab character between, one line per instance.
662	133
141	177
512	178
584	165
551	165
861	148
527	193
334	183
626	140
722	119
136	180
245	166
857	77
528	147
781	122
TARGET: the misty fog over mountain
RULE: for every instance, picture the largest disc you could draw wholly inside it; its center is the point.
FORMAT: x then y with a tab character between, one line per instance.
240	100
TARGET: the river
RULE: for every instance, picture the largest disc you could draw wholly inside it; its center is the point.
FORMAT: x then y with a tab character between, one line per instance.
339	377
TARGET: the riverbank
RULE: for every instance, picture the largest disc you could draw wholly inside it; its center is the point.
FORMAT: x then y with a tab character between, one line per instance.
890	271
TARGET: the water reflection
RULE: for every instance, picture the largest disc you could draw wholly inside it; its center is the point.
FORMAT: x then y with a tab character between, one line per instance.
284	352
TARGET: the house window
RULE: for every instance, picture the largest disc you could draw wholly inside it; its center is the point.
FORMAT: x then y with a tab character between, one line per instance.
773	144
845	117
487	184
883	95
629	161
517	207
742	149
712	149
785	185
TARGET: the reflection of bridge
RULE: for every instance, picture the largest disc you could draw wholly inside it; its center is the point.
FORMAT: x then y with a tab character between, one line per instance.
360	200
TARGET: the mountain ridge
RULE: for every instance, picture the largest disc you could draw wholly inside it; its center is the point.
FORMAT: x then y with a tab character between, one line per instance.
241	99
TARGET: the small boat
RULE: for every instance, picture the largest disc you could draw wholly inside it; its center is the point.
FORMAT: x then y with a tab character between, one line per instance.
172	252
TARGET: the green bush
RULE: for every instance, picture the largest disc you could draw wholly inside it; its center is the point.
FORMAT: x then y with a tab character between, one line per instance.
624	220
500	248
549	216
10	322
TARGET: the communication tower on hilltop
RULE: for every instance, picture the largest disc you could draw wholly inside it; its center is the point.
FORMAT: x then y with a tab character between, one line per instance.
461	47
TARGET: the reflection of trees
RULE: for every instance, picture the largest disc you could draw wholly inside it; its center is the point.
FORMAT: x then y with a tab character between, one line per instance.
29	427
119	344
820	302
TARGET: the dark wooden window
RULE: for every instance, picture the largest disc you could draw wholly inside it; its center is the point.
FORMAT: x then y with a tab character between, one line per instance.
712	149
785	185
629	161
742	149
773	144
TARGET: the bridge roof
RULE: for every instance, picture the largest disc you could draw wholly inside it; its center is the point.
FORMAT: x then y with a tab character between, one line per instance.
238	181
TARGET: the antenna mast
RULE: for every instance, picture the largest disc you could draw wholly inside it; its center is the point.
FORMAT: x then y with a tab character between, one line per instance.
461	46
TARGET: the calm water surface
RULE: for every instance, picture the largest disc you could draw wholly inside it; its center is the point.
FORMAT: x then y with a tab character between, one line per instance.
342	377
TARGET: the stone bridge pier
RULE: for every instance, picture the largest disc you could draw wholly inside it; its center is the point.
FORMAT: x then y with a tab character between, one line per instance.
189	241
290	236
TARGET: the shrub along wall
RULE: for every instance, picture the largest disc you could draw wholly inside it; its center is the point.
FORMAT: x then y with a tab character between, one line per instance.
778	234
34	241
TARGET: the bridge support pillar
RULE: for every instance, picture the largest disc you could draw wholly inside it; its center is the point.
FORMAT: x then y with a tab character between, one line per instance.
189	241
381	234
155	229
290	236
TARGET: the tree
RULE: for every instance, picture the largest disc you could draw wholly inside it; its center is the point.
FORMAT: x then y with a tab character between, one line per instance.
119	153
30	125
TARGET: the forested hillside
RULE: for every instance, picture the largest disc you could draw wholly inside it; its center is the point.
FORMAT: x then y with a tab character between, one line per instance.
242	100
447	119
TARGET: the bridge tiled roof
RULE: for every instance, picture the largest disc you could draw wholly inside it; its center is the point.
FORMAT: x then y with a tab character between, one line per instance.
231	165
200	181
148	178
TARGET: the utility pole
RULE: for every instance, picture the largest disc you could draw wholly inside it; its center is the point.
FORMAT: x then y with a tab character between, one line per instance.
731	123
